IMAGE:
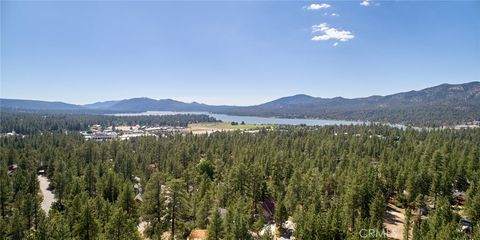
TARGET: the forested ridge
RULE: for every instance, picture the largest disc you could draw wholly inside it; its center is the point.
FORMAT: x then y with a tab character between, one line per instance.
331	181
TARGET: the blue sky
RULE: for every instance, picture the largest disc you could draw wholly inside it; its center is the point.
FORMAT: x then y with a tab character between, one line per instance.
224	52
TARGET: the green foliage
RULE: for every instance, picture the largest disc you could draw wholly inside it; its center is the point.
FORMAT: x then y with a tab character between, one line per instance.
236	221
153	207
86	226
215	227
126	200
206	167
177	206
121	226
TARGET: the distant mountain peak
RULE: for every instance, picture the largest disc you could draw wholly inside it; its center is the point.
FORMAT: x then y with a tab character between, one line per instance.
301	95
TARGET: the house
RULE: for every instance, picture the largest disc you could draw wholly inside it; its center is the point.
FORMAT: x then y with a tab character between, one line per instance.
466	226
198	234
458	197
137	188
136	179
11	134
139	198
11	169
96	128
268	206
423	211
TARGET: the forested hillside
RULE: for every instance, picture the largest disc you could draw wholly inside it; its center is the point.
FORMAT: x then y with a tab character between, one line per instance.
446	104
332	182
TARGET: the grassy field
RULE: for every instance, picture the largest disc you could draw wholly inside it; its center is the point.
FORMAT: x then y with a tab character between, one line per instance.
199	128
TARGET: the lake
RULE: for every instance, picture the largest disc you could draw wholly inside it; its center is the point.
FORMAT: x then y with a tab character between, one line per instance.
252	119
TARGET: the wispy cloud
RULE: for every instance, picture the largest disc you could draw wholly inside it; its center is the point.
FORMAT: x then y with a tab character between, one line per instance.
330	33
335	44
331	14
365	3
317	6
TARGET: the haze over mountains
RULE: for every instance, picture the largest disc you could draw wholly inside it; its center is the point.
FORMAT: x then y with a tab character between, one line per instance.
439	105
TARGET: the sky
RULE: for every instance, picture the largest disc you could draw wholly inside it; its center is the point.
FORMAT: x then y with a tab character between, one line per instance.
234	52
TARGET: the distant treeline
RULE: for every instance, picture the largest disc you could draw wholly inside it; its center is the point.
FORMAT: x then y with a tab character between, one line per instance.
29	123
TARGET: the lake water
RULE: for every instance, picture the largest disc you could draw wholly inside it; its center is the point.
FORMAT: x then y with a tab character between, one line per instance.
252	119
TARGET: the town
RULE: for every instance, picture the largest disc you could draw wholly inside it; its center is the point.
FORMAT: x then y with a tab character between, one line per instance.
124	132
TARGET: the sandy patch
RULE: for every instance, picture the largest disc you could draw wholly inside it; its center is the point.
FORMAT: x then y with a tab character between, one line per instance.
394	221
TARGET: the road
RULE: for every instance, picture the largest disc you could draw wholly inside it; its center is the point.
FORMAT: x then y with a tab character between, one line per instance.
48	196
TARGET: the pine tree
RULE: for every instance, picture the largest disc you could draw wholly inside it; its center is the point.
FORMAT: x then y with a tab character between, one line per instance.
121	226
90	179
153	206
472	204
42	229
281	214
294	192
215	227
177	206
377	210
407	224
58	227
236	221
87	226
202	212
5	190
126	200
435	165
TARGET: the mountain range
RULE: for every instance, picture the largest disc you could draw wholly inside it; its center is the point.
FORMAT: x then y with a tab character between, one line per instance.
439	105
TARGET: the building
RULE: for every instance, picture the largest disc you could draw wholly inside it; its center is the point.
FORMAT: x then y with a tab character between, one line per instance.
139	198
198	234
127	136
99	136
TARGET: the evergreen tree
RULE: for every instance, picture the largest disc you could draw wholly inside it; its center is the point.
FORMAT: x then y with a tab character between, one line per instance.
407	225
215	227
121	226
236	221
177	206
126	200
281	214
153	206
87	226
5	190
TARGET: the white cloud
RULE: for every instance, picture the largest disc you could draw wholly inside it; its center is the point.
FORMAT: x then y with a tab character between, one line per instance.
334	14
329	33
335	44
365	3
317	6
